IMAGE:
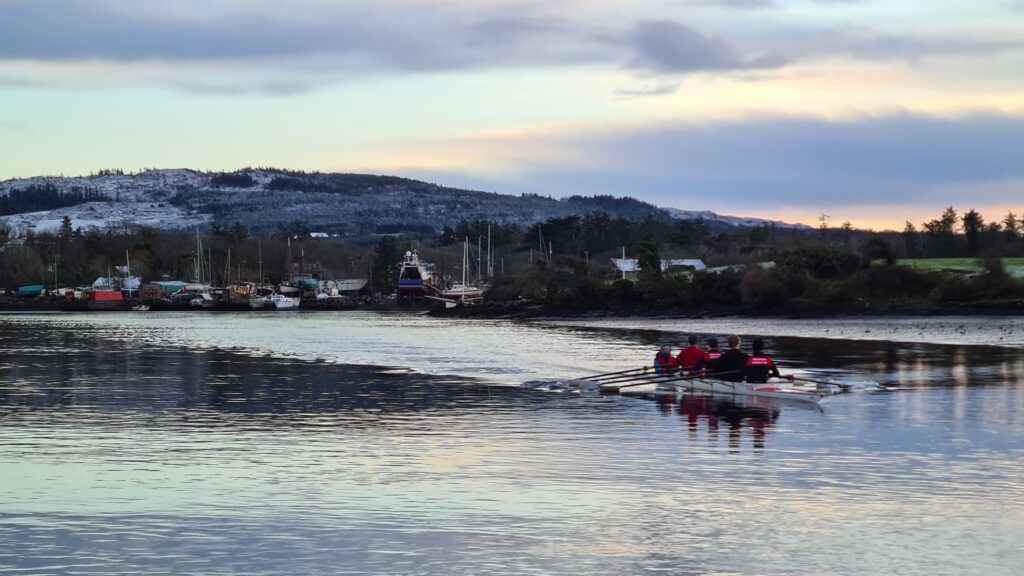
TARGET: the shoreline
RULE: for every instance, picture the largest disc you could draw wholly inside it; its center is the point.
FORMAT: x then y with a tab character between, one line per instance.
541	312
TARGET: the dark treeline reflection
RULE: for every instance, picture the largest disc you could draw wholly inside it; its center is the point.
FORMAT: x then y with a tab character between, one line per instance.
58	368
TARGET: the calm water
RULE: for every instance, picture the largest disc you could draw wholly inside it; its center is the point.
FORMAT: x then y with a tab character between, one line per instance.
397	444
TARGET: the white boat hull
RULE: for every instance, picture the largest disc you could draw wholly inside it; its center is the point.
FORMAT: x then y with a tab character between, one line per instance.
749	389
284	303
671	386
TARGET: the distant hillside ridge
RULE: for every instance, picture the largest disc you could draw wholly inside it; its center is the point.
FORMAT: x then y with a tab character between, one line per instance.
268	200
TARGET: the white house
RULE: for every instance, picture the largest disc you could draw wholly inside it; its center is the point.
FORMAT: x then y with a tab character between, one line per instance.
630	266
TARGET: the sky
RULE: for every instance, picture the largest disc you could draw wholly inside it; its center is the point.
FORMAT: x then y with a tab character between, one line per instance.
874	112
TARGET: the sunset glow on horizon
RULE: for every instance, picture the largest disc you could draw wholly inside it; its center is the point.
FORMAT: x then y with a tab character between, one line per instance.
873	113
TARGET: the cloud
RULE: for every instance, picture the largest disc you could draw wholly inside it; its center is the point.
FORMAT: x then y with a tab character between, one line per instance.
271	47
865	43
402	34
739	4
667	46
650	89
776	163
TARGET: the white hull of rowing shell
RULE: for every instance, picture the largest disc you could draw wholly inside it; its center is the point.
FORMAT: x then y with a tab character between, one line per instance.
732	388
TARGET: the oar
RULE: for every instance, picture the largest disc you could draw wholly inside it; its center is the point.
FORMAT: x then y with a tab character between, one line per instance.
655	379
612	374
718	375
658	378
820	382
628	377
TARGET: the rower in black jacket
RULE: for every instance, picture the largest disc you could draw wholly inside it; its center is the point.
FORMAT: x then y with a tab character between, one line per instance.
760	367
731	365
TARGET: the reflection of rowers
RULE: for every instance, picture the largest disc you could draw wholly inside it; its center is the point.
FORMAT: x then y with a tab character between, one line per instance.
754	413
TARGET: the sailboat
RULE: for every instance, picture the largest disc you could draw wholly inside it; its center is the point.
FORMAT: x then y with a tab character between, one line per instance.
461	292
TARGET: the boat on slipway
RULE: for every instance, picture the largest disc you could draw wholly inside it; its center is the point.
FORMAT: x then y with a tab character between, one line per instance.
415	279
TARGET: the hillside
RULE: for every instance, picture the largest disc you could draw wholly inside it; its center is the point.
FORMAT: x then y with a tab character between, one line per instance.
266	200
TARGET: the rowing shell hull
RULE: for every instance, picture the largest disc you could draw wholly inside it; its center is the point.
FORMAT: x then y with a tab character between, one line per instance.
668	387
747	389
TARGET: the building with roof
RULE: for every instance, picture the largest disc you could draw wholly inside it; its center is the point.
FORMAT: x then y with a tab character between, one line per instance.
629	267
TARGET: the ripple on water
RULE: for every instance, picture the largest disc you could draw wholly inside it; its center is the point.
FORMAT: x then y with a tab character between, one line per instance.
121	458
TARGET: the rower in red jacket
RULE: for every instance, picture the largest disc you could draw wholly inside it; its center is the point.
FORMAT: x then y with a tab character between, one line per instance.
760	367
710	357
664	363
689	359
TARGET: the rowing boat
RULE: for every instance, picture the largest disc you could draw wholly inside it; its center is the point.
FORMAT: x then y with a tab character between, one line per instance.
669	386
750	389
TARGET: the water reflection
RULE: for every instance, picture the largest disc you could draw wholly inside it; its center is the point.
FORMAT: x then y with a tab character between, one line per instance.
707	417
122	455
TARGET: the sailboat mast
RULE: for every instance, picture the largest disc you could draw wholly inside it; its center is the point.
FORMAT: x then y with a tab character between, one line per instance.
288	263
198	252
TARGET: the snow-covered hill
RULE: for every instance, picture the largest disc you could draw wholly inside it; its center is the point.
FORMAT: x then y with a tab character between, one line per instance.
737	221
268	200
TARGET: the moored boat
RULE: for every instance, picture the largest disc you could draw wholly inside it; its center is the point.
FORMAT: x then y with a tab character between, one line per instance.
462	293
282	302
30	291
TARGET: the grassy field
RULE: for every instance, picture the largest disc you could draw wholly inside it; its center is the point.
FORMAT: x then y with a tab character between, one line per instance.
1014	266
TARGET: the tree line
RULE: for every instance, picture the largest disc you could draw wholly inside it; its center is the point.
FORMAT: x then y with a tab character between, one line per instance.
566	261
38	197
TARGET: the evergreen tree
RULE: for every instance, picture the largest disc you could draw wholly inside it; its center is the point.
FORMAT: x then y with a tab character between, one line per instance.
387	263
911	241
448	236
973	225
1011	227
65	230
941	234
649	262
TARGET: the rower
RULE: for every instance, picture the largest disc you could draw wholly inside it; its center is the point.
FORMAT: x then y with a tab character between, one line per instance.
689	359
731	365
711	356
664	363
760	367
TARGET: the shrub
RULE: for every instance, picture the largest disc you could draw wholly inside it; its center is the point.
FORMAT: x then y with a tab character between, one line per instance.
822	262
